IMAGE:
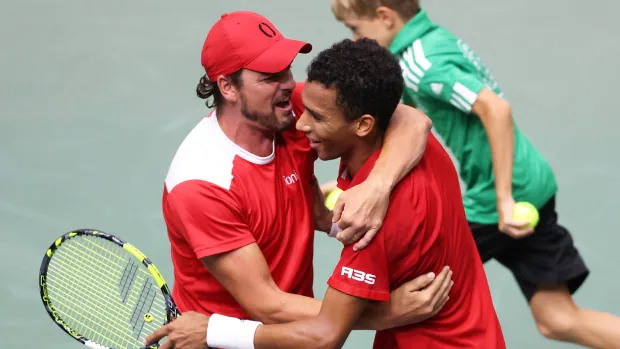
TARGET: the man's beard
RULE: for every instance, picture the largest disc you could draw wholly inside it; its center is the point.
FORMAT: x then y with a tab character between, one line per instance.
267	120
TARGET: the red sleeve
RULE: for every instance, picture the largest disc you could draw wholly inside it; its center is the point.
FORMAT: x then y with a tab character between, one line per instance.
364	273
208	217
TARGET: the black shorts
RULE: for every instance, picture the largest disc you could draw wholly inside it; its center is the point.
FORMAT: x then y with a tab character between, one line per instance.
546	257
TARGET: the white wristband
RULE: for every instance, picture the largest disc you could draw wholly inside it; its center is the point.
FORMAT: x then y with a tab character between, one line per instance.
335	230
231	333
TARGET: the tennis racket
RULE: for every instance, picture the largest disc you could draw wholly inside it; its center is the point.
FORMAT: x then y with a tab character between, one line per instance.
103	291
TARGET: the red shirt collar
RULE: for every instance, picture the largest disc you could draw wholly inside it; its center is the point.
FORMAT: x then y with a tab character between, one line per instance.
345	181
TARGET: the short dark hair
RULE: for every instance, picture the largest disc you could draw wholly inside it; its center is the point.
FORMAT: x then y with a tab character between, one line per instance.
367	78
206	89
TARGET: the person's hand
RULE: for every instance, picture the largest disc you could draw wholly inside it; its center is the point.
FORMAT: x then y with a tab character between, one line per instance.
360	211
507	224
188	331
420	298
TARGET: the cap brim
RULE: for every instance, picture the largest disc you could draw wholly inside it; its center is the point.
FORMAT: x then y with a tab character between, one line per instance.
279	56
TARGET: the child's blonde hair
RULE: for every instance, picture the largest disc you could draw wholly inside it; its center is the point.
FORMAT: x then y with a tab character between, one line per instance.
367	8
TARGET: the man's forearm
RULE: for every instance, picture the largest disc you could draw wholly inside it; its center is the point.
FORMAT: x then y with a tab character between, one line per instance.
291	307
301	334
375	317
403	145
287	307
329	329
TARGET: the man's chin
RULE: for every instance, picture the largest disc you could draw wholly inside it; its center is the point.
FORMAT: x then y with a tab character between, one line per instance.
286	122
325	157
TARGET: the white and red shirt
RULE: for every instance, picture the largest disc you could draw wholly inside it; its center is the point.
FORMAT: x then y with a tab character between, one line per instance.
424	230
219	197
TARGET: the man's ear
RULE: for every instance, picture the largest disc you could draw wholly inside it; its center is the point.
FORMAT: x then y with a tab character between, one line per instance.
365	125
227	89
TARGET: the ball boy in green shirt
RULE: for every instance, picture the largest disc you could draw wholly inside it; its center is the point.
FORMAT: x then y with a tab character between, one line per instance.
445	79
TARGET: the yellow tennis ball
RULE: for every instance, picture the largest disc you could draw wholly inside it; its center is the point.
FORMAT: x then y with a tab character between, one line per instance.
524	211
332	197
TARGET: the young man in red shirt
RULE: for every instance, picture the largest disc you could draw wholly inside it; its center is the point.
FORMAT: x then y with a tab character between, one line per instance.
350	94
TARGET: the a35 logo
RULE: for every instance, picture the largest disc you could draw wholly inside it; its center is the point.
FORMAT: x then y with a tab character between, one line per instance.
358	275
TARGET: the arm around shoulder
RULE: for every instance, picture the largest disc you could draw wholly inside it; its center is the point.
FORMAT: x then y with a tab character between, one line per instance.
404	145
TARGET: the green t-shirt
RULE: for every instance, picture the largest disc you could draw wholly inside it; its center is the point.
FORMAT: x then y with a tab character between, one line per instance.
443	77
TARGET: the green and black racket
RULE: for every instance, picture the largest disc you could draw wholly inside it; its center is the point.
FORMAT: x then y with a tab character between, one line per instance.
103	291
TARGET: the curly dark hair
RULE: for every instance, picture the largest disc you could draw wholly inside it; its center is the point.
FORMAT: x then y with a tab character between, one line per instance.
367	78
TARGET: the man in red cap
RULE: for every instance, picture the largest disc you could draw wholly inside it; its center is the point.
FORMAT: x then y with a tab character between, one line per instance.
241	202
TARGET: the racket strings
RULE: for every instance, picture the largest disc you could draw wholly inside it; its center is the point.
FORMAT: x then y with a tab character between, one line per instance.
146	300
102	294
84	298
103	312
129	274
103	320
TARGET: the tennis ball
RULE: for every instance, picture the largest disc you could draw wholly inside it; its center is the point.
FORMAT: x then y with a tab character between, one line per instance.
332	197
524	211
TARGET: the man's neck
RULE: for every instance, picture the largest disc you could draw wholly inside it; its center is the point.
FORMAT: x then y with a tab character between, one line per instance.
244	133
360	154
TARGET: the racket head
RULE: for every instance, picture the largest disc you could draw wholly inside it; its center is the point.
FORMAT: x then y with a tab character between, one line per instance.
103	291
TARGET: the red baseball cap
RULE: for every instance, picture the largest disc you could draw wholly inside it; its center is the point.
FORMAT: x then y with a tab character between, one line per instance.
245	39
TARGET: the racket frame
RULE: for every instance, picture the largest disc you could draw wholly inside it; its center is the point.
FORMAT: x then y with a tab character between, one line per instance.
172	312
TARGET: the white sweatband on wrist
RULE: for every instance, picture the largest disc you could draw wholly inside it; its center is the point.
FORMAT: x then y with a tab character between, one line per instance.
231	333
335	230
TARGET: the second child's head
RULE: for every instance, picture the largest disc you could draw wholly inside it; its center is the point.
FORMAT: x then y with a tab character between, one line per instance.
380	20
